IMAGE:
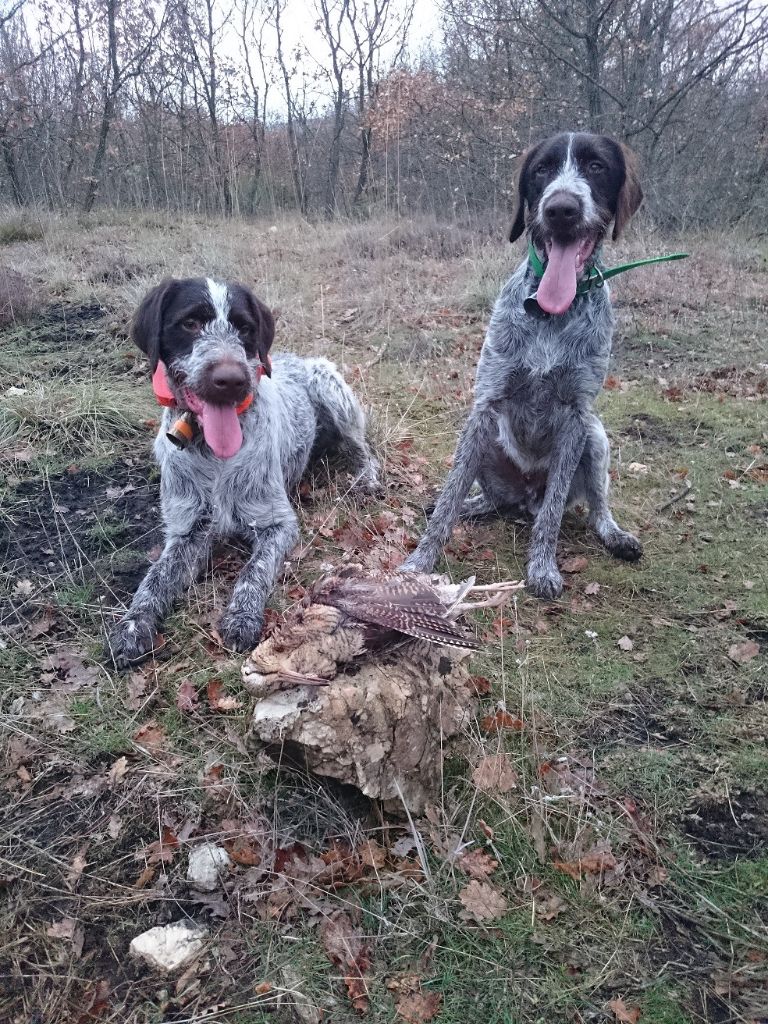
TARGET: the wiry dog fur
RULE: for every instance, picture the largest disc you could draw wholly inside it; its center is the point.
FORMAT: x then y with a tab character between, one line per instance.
533	442
303	411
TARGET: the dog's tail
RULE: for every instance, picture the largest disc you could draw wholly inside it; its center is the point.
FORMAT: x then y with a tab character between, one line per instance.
332	396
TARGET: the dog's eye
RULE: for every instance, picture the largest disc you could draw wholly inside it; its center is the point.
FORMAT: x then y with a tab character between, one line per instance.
596	166
191	324
540	169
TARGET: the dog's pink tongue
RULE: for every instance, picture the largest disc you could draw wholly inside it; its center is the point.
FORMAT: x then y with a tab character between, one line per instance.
557	288
221	429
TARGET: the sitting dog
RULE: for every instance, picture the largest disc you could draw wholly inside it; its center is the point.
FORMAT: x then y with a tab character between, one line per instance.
533	442
254	427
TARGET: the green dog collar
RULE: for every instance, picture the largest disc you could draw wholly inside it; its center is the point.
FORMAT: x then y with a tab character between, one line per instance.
596	278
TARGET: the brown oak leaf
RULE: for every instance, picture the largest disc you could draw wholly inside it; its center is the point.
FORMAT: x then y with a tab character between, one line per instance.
419	1007
218	701
576	563
151	735
481	902
186	697
347	949
500	720
622	1012
743	653
495	774
477	864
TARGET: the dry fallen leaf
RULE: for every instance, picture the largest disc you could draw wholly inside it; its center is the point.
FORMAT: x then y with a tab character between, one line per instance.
625	643
77	867
117	771
419	1007
347	949
479	685
548	907
495	774
186	697
592	589
500	720
151	736
372	854
63	929
481	902
622	1012
595	862
23	589
135	689
162	850
477	864
743	653
66	671
576	563
218	701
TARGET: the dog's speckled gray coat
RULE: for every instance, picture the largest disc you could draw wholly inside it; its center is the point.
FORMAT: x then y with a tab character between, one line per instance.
305	409
533	441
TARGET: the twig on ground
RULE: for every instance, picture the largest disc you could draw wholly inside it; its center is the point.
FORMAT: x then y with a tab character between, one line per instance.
675	497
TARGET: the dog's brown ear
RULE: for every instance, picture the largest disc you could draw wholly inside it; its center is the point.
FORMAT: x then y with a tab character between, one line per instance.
518	227
147	324
630	195
265	329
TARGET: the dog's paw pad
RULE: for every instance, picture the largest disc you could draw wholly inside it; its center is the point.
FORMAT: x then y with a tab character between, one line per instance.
131	639
241	631
544	582
625	546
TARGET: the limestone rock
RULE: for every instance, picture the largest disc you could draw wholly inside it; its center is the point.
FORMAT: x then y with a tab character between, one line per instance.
207	864
168	947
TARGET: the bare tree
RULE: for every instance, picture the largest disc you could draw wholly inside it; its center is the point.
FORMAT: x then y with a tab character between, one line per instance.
375	26
120	67
297	169
252	24
334	14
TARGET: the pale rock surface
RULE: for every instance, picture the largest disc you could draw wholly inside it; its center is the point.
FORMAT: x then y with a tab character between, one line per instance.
385	728
207	864
168	947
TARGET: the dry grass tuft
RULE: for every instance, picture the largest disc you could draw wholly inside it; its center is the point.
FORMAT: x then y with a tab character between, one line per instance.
18	300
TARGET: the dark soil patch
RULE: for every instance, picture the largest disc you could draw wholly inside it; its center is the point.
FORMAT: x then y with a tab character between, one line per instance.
641	721
64	341
651	429
725	827
87	519
733	381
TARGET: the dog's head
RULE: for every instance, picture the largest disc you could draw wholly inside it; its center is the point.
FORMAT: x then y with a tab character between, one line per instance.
212	339
571	187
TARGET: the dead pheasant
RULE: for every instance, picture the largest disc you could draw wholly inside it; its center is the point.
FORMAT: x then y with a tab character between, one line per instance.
356	611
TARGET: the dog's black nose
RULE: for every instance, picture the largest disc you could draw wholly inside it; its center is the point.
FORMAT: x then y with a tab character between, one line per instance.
229	382
562	211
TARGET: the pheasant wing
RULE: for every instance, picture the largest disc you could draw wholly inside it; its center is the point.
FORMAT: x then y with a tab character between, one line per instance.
407	604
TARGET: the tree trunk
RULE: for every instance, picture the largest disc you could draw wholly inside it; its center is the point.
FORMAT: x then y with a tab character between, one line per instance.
9	159
111	85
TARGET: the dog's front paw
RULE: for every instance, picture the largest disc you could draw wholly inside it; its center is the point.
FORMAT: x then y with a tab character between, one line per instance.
544	580
625	546
368	484
240	630
131	639
420	560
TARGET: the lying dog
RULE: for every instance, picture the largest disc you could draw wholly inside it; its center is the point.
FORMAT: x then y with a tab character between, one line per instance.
533	442
259	424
